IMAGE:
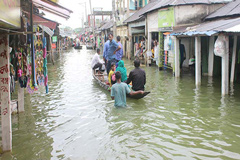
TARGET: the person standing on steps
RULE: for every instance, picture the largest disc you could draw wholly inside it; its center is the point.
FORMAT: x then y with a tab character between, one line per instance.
119	53
111	53
105	50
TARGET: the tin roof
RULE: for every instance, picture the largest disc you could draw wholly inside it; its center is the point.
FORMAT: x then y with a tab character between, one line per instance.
168	3
53	8
139	14
210	28
47	30
229	10
44	21
107	25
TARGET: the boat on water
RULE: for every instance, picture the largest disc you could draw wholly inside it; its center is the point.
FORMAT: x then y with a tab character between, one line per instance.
89	45
78	47
101	80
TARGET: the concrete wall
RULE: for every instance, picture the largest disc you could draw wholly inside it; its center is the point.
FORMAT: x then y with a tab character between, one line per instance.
192	14
130	49
189	48
152	21
122	32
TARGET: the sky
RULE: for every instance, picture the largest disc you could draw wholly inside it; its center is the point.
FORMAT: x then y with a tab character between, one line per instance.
78	8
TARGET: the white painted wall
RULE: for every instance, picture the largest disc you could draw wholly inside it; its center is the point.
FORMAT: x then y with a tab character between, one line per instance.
192	14
152	20
189	49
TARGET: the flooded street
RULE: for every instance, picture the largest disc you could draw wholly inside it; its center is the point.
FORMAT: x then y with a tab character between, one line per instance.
78	120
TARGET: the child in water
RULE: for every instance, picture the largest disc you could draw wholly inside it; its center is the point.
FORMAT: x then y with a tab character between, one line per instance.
113	68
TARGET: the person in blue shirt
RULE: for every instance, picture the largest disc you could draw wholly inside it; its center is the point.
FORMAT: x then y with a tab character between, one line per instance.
119	53
120	90
105	50
111	53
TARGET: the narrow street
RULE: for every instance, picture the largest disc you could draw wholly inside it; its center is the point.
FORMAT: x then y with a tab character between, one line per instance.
78	120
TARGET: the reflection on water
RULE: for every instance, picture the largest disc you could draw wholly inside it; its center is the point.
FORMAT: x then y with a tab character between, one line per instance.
78	120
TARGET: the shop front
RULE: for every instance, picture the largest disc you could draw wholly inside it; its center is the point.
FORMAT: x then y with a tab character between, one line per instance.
166	22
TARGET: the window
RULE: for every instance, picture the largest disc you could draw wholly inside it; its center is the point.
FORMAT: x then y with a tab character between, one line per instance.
140	3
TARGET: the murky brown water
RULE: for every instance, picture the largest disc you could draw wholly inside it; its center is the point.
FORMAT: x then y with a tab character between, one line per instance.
78	120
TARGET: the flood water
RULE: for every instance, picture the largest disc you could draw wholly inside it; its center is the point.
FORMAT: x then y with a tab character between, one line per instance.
78	120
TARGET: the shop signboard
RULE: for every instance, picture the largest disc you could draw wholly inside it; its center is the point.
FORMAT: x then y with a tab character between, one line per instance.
54	39
10	13
166	19
54	46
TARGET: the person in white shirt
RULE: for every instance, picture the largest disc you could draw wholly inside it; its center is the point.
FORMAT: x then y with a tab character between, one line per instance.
96	63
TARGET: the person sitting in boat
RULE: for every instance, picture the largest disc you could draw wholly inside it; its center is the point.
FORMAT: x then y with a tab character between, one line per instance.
77	42
111	73
137	77
122	70
96	62
120	90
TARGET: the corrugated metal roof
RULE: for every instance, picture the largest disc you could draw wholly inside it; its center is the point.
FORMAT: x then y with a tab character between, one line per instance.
107	25
230	9
168	3
210	28
139	14
47	30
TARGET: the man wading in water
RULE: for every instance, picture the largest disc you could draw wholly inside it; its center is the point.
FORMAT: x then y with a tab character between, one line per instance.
120	90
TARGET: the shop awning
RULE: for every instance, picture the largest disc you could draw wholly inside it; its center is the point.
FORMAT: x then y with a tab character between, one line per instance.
210	28
52	7
44	21
107	25
47	30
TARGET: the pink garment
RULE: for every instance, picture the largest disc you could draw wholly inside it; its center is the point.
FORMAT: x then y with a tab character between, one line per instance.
113	77
46	81
136	45
44	52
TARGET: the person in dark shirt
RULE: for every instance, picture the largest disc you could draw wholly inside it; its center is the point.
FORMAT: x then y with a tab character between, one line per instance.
182	54
137	77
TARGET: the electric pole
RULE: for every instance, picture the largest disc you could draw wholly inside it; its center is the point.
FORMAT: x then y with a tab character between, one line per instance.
114	19
93	22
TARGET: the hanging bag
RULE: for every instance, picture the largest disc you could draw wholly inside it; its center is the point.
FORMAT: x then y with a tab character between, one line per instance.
220	45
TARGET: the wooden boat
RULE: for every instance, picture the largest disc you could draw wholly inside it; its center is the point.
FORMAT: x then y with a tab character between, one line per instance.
100	80
89	46
78	47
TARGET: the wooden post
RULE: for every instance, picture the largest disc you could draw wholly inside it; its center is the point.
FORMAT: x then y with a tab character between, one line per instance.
149	40
177	60
32	47
128	12
211	56
20	99
198	61
161	49
59	46
225	69
51	52
233	59
149	48
5	94
130	47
